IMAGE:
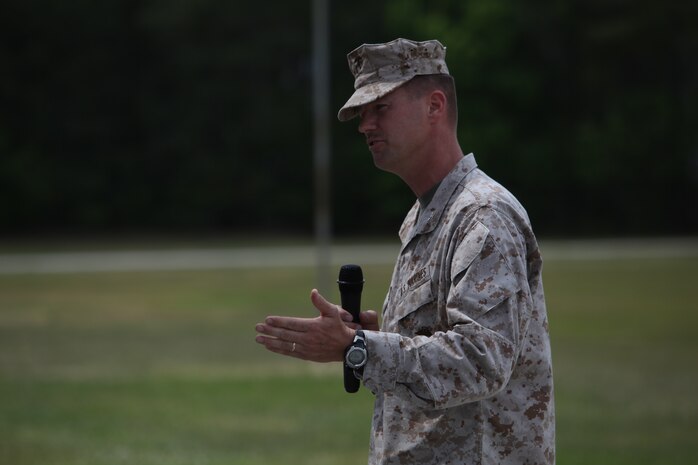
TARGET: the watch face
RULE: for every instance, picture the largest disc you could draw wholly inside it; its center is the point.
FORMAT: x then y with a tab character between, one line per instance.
356	357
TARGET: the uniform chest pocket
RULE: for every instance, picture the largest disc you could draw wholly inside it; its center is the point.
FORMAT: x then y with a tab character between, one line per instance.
416	313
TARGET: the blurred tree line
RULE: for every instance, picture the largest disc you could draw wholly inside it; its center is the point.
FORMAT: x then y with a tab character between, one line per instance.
195	115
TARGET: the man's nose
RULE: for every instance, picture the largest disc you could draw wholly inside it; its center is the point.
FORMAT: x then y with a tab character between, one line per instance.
366	123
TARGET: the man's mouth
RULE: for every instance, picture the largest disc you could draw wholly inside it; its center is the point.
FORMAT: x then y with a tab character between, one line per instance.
373	141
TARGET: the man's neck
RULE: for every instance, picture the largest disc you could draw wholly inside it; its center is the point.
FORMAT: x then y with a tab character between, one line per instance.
434	168
425	198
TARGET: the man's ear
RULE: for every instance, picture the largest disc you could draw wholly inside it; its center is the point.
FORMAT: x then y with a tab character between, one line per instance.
437	105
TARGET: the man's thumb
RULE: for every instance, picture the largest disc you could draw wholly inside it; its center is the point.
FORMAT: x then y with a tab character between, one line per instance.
325	308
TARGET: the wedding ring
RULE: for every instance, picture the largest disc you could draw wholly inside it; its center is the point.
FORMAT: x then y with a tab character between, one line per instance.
293	347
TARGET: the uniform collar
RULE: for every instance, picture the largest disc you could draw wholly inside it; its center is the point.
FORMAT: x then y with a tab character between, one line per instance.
417	222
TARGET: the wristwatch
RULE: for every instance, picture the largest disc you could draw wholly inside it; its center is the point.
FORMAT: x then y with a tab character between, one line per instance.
357	356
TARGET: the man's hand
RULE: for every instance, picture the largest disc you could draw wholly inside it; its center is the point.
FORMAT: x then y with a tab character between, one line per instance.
369	321
320	339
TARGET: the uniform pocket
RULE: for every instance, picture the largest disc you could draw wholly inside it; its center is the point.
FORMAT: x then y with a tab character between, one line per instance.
419	316
416	295
469	248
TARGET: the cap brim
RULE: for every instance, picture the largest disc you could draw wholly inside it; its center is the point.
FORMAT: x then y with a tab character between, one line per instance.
366	94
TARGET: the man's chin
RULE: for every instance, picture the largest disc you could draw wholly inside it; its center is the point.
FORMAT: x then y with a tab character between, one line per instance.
382	162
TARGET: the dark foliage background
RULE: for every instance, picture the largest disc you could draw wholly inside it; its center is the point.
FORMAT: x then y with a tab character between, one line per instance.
195	116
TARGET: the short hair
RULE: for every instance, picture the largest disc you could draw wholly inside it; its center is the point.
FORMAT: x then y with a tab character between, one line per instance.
420	85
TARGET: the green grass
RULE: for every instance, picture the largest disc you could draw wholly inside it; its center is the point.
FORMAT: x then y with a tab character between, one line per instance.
626	360
162	368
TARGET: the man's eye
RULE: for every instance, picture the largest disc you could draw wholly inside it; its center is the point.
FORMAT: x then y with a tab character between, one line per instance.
381	107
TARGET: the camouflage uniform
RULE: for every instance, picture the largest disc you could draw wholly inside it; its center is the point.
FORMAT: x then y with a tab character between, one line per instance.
462	369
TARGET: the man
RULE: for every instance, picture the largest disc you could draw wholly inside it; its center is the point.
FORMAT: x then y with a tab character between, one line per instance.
461	368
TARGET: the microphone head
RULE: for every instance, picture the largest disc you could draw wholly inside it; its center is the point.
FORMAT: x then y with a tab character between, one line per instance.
351	278
350	274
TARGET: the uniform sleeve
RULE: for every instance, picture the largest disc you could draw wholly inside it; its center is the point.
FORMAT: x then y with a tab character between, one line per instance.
486	306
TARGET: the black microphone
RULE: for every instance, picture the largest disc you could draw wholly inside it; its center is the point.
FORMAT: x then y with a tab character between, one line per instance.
351	283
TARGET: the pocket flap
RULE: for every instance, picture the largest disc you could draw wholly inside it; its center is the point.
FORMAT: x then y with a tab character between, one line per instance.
469	248
416	293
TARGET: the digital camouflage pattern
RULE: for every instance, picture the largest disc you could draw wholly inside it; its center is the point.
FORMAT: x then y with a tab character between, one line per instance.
381	68
461	368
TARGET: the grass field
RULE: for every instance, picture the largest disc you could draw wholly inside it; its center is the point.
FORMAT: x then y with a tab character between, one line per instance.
162	368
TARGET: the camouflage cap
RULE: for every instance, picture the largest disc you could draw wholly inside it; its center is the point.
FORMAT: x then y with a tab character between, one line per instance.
381	68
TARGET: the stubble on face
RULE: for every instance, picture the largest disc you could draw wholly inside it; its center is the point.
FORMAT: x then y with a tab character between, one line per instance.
391	126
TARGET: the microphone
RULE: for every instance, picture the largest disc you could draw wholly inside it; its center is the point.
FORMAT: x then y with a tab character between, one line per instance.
351	283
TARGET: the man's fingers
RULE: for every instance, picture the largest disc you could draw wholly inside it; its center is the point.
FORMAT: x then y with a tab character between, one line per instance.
369	320
292	349
282	333
300	325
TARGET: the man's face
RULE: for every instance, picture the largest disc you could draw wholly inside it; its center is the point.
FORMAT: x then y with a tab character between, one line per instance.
395	129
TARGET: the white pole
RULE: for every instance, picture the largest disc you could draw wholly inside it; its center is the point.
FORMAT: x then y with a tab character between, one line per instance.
321	115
